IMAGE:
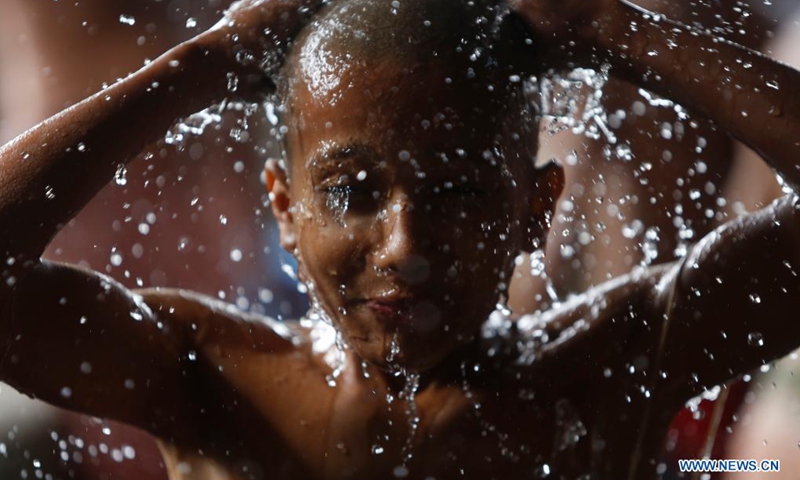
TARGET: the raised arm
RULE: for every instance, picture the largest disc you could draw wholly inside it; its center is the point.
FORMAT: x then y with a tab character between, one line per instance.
75	338
729	306
51	171
752	97
749	95
732	305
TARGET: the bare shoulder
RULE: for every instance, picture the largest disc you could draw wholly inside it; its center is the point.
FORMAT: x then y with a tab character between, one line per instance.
211	321
609	327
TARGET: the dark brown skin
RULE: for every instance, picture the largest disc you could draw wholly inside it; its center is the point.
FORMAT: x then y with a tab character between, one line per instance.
590	242
240	397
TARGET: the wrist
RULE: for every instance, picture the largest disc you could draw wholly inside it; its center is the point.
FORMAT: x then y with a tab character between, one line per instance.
241	72
193	72
628	33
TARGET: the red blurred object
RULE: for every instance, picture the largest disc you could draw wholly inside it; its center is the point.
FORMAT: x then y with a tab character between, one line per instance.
691	434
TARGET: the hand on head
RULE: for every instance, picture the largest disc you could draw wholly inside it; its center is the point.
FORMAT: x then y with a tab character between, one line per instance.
254	35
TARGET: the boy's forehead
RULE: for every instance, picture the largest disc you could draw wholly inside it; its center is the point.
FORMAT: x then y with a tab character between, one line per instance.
389	101
337	155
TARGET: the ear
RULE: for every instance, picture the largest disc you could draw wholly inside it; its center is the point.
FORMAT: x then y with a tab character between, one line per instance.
547	184
280	201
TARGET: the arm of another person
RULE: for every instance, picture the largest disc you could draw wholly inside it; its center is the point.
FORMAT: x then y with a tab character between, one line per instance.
75	338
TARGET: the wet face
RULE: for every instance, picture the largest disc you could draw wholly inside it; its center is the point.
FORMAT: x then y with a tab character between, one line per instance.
407	202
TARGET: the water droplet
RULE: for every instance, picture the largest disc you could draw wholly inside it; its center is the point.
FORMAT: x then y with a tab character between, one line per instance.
128	452
127	20
265	295
400	472
66	392
543	471
755	339
233	82
191	22
377	449
86	368
394	349
120	175
236	255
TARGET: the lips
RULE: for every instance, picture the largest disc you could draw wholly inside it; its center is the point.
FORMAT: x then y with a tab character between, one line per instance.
395	309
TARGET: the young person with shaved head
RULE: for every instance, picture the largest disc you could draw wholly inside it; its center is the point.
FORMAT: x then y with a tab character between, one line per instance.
407	190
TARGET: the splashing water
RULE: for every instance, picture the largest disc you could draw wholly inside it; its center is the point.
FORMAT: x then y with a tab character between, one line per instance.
487	426
338	202
194	125
120	176
394	349
570	427
584	114
338	363
409	394
325	339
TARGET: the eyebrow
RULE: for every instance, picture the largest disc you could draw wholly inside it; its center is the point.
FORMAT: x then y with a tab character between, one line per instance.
327	155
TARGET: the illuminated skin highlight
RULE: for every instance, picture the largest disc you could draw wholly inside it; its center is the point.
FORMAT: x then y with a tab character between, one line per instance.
232	395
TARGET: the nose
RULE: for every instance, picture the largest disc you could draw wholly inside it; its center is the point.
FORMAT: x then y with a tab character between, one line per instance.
400	251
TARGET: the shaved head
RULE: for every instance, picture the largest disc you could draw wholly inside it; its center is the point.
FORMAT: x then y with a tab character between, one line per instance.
478	42
410	145
408	33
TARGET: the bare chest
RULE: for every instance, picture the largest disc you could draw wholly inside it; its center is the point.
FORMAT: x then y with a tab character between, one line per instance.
356	430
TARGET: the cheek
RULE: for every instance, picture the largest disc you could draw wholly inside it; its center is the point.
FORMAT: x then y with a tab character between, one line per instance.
330	258
326	251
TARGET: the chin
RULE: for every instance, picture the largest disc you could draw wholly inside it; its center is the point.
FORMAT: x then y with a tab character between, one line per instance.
418	344
413	353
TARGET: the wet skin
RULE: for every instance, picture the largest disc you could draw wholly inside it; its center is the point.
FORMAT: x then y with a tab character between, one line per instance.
404	210
238	397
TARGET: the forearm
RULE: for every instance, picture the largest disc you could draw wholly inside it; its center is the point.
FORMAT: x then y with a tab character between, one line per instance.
733	306
745	93
48	173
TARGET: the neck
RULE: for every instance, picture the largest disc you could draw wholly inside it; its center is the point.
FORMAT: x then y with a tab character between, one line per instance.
457	367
